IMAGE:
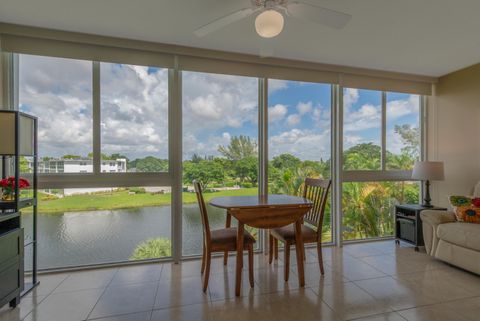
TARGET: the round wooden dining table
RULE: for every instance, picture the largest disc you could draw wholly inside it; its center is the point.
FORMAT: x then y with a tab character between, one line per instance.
265	212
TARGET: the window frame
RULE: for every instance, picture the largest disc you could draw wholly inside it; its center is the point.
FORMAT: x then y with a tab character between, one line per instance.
173	177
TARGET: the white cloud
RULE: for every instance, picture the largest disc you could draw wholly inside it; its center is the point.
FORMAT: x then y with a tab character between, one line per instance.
134	106
350	97
304	108
367	117
276	113
213	103
403	107
293	120
299	143
276	84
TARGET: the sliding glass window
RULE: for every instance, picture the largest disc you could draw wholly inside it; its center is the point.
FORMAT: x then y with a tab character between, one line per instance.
299	138
381	141
362	129
220	146
134	118
99	221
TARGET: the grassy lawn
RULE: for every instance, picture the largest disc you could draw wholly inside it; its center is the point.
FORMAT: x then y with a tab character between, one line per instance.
122	199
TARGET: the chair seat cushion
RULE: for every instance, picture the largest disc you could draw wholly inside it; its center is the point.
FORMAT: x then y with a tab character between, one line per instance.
288	233
461	234
229	236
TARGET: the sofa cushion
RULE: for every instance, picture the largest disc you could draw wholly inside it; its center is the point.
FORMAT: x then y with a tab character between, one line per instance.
461	234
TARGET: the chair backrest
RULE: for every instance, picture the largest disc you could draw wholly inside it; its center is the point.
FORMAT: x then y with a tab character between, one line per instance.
316	190
203	211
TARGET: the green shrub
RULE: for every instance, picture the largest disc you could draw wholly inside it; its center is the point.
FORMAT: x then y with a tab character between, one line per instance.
152	249
247	185
137	190
229	184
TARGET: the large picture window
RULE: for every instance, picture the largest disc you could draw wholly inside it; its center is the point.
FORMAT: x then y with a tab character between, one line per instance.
113	158
134	118
220	146
59	92
381	141
299	143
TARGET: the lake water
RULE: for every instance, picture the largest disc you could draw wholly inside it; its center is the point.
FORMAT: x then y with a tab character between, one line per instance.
93	237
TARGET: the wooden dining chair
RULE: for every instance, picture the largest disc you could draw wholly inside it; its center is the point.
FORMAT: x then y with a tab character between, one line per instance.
221	240
315	190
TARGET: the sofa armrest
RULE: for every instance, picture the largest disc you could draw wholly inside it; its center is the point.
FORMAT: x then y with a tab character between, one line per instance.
437	217
431	219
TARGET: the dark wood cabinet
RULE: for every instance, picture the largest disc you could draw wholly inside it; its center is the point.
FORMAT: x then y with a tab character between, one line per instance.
408	224
11	259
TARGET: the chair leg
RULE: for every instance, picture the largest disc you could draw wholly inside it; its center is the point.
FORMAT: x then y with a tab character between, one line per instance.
275	247
250	265
208	258
320	257
225	258
286	264
303	253
270	248
203	259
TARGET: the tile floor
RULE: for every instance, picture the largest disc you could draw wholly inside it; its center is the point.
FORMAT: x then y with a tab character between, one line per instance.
369	282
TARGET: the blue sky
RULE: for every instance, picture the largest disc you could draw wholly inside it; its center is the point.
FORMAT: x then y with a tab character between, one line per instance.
215	108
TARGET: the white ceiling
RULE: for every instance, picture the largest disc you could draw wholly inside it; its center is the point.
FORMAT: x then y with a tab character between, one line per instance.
427	37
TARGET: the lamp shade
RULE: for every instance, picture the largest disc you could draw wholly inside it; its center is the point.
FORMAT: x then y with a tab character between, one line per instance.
269	23
432	171
12	123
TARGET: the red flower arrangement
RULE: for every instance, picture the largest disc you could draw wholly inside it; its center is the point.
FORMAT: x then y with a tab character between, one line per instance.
8	185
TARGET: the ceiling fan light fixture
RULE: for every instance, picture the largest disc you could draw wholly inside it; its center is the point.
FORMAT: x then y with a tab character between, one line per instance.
269	23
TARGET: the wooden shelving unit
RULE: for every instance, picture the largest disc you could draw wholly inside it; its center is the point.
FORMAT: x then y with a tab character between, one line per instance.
18	140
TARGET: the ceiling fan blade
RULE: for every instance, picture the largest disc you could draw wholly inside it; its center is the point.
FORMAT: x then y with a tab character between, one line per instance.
320	15
223	21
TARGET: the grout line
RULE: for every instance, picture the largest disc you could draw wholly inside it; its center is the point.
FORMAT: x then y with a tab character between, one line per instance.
103	292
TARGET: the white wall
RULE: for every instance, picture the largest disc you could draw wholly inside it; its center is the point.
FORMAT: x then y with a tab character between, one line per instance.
454	133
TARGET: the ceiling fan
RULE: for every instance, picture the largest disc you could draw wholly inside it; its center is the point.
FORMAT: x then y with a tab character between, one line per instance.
270	19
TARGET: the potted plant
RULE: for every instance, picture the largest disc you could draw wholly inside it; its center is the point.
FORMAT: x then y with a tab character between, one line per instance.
8	187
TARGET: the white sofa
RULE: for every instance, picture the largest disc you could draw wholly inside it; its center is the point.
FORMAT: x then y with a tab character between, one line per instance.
454	242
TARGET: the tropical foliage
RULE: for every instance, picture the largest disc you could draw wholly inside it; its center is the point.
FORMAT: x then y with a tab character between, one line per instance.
152	248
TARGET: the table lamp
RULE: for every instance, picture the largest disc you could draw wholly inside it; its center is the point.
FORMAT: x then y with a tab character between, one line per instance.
428	171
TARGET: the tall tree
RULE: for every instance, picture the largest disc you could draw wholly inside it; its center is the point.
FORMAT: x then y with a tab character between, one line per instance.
240	147
411	139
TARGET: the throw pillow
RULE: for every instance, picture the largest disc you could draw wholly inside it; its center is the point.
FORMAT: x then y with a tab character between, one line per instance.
466	209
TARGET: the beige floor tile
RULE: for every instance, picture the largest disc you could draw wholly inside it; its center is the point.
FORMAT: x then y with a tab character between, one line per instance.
141	316
91	279
22	310
461	310
363	249
313	278
303	304
467	282
222	286
443	285
180	291
243	309
195	312
350	301
391	316
392	265
354	269
125	299
272	280
137	274
71	306
48	283
398	294
184	269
